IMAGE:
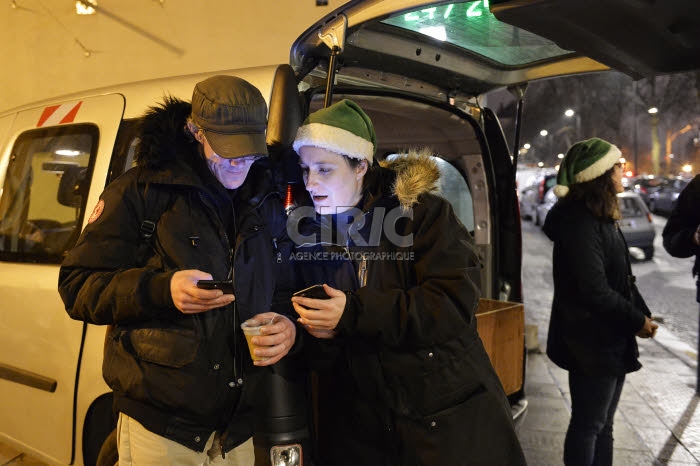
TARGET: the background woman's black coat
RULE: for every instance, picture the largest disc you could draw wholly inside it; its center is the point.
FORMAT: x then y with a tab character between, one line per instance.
597	310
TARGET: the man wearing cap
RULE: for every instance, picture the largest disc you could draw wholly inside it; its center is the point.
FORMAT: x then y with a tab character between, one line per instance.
201	204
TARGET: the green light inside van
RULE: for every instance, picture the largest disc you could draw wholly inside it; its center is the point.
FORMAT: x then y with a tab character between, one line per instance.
471	26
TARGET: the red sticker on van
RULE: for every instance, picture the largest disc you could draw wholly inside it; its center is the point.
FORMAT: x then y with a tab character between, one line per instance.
59	114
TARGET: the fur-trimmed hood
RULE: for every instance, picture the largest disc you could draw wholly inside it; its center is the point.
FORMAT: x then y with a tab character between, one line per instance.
416	173
163	136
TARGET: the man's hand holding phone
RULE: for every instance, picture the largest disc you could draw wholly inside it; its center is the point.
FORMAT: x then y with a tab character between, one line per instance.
320	308
192	299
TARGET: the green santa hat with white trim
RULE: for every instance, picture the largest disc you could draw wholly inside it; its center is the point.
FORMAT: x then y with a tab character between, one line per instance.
585	161
342	128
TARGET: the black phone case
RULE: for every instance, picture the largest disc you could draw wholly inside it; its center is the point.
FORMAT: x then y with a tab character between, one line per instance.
224	285
315	292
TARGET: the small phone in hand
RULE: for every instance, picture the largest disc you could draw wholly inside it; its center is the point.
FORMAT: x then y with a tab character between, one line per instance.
224	285
315	292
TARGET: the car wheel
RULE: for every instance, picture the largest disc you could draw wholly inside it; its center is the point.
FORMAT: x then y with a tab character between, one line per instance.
648	253
109	454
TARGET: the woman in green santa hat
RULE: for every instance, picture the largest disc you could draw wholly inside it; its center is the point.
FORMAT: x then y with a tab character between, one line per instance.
597	310
407	380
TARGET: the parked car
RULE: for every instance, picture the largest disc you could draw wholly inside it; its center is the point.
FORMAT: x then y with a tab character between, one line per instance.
663	200
636	224
647	185
417	67
533	196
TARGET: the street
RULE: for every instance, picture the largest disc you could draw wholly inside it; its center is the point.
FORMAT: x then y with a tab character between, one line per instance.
665	282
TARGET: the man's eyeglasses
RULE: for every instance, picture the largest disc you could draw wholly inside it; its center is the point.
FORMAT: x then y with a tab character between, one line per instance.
247	159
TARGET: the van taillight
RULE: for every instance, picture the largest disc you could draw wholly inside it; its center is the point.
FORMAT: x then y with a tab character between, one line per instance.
540	191
649	218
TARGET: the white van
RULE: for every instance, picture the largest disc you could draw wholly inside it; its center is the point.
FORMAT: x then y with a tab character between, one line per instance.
417	68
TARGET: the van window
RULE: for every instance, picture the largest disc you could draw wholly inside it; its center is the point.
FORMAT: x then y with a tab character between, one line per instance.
124	154
471	26
453	187
44	192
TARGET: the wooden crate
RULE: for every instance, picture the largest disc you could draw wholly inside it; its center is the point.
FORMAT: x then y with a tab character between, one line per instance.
501	326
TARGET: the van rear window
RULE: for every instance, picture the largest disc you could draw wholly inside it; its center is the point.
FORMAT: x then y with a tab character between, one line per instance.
471	26
44	190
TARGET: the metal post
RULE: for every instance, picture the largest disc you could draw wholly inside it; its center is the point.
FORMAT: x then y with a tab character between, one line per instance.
636	144
330	76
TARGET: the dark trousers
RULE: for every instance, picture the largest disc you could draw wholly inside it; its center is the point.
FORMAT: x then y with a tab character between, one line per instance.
589	439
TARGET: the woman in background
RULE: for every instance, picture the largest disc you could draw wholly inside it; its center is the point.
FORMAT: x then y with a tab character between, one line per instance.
597	310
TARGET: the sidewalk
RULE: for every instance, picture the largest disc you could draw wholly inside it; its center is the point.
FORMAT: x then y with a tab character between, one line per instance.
657	421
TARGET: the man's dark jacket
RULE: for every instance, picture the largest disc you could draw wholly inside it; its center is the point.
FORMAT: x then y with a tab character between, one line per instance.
681	225
413	384
597	310
178	374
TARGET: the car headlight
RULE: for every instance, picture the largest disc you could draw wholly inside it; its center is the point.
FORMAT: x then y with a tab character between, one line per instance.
286	455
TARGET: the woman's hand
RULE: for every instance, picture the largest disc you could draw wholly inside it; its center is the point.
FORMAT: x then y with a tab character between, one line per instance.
191	300
320	317
276	338
649	329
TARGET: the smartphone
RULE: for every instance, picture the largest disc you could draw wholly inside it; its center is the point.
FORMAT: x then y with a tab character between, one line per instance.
224	285
315	292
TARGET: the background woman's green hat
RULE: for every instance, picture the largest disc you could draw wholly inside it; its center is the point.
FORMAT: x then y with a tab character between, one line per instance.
585	161
342	128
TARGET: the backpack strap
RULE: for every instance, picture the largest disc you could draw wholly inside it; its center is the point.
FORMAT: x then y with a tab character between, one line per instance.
156	201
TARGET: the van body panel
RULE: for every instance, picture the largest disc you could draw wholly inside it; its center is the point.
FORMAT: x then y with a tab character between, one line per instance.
142	94
5	125
37	337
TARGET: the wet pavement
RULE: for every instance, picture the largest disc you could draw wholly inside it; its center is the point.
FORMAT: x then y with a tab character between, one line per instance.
657	421
658	418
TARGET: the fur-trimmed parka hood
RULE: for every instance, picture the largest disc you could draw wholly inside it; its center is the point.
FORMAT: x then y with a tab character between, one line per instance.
163	136
416	173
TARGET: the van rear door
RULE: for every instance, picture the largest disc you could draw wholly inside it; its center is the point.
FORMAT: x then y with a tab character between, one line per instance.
639	38
53	165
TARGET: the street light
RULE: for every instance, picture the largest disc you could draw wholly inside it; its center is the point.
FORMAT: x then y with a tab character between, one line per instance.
670	137
655	147
568	113
544	132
